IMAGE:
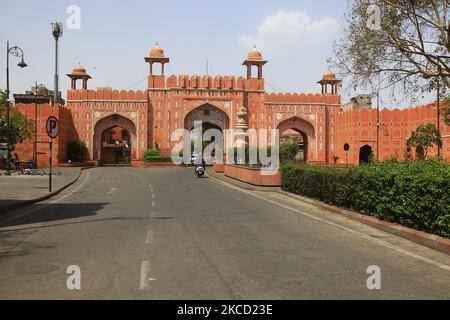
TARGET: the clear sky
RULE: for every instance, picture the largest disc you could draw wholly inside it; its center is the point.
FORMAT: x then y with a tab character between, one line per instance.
294	35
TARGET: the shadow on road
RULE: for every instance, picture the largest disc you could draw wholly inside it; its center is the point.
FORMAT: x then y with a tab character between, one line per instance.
54	212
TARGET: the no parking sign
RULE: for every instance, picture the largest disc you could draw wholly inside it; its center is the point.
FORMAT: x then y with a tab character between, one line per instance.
52	127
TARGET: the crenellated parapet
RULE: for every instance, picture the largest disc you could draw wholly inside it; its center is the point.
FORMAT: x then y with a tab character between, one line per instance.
207	82
105	94
301	98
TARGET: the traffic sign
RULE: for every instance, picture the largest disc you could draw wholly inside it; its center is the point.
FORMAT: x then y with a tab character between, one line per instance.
52	127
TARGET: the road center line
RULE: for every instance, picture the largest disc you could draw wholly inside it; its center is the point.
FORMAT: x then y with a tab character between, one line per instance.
112	190
362	235
149	237
145	271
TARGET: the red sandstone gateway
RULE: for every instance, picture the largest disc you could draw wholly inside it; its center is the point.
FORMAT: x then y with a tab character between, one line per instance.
120	124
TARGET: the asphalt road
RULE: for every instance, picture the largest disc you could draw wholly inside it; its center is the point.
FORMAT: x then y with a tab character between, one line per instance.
162	233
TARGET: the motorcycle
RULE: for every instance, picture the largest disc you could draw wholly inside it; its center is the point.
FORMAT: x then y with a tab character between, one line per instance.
200	170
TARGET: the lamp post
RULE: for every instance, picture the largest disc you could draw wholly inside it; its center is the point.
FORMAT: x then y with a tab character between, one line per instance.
57	31
17	52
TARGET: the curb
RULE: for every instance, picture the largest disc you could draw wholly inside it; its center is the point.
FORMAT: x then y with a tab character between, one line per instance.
426	239
24	203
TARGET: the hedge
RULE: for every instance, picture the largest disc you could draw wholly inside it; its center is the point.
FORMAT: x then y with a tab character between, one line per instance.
158	159
416	195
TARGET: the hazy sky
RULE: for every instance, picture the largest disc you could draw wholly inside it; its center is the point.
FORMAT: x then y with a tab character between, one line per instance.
294	35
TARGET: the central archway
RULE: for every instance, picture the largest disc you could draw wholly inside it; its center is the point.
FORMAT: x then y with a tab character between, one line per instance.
115	140
207	113
211	117
297	130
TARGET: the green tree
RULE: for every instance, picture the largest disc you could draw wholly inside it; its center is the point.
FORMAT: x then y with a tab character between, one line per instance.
425	136
20	126
76	150
402	44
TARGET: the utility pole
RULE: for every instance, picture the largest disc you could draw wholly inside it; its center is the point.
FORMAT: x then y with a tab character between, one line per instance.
57	31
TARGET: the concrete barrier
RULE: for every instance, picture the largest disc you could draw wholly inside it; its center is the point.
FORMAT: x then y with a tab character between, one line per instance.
253	176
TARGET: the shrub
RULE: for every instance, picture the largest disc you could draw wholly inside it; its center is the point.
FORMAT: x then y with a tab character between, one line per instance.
413	194
151	153
158	159
288	151
76	150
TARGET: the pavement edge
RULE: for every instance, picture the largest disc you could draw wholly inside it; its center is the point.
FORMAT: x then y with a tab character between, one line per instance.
24	203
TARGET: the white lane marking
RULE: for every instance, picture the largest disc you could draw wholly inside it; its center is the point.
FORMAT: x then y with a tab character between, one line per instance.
152	190
145	271
153	203
149	237
150	186
362	235
112	190
44	205
153	196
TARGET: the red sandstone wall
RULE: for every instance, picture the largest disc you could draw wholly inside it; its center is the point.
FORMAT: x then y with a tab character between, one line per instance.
39	115
358	128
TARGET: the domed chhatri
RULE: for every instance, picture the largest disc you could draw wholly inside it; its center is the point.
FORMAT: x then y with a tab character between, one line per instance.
329	75
254	58
79	73
255	55
329	79
156	56
157	52
79	70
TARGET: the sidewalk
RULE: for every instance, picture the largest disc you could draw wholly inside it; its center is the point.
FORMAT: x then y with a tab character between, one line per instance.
20	190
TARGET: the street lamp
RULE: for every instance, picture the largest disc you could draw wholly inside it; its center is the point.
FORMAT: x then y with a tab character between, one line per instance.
17	52
57	31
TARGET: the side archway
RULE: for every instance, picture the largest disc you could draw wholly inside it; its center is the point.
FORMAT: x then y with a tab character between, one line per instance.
107	124
297	130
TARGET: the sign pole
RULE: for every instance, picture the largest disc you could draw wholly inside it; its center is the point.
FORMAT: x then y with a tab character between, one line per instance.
50	174
52	127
